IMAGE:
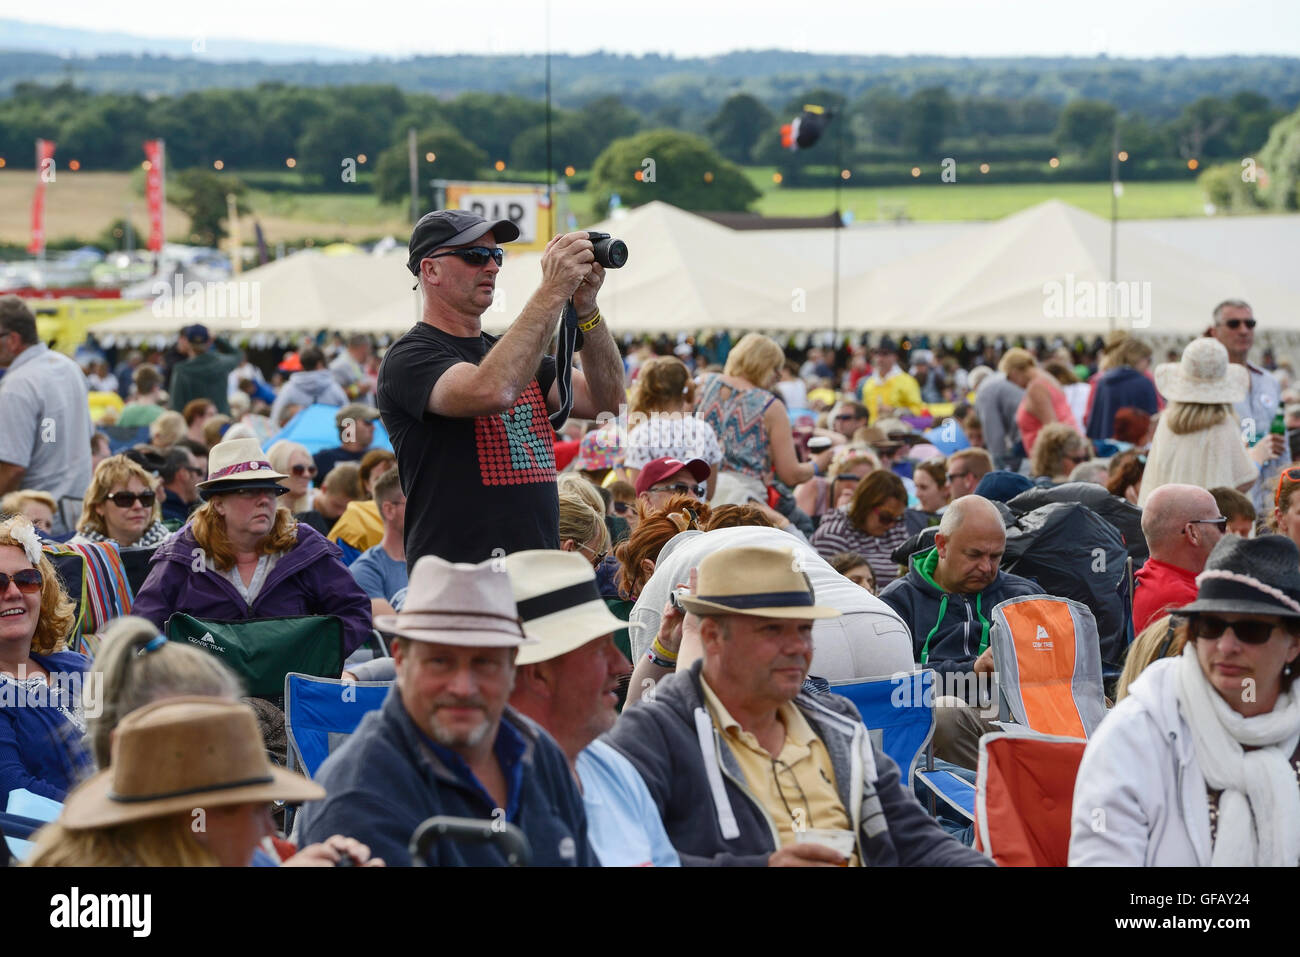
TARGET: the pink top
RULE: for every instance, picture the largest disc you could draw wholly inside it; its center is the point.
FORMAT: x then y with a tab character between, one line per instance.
1029	424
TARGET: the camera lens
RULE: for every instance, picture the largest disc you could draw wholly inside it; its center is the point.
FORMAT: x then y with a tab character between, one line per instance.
610	253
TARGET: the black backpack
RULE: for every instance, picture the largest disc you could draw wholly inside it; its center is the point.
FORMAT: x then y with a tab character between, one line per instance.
1123	514
1072	552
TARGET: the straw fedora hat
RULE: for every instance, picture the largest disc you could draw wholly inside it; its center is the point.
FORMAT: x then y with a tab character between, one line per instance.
177	754
1204	375
236	464
559	603
455	603
750	580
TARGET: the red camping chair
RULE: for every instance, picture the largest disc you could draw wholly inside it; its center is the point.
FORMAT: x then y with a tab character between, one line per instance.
1024	796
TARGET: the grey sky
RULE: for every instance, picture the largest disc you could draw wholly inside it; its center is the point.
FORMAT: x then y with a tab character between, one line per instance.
1134	28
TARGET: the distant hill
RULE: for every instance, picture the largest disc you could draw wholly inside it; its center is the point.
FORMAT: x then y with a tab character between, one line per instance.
70	42
1156	88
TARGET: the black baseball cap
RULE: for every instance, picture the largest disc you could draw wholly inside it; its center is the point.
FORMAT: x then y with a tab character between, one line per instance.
452	227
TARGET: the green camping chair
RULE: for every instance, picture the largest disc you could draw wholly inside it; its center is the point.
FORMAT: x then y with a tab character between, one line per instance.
263	650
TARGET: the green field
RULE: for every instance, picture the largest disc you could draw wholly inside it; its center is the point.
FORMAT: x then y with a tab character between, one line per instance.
84	204
962	201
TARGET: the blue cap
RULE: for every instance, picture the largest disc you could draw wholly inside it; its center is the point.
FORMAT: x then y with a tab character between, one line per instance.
1002	486
196	333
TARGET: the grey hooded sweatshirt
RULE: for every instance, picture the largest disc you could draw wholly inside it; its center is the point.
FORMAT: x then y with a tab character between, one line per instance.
309	388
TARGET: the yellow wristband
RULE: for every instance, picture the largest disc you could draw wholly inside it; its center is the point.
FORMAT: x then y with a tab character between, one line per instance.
658	649
591	323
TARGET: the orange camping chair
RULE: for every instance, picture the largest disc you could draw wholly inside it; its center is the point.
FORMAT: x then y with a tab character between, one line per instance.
1047	657
1024	793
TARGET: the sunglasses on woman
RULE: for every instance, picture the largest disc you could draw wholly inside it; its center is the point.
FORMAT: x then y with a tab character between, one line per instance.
1247	632
307	470
28	580
475	255
623	508
886	519
127	499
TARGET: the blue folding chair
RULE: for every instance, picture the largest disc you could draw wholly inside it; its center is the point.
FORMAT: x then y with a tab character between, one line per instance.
898	711
899	714
320	714
26	814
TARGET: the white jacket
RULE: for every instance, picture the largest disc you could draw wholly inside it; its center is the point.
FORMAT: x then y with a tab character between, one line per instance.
1140	798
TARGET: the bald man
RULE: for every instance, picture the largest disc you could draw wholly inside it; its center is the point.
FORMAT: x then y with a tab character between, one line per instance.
945	598
1182	525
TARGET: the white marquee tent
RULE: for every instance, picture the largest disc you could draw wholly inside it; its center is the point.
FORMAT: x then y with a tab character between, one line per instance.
1032	273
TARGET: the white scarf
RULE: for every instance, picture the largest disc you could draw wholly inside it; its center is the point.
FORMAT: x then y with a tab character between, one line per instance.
1259	809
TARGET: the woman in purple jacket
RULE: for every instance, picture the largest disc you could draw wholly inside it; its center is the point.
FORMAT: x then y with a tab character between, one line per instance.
242	557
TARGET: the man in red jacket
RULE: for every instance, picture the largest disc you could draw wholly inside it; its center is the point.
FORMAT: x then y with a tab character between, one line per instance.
1182	524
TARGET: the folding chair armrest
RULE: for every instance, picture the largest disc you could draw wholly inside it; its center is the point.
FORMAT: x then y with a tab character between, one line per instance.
19	827
957	794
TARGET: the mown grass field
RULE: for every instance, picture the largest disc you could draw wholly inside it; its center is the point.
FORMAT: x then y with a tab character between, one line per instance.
83	204
980	201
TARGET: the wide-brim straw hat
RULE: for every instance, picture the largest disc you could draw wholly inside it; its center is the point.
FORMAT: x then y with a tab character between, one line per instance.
456	603
559	603
236	464
750	580
1204	375
1249	576
178	754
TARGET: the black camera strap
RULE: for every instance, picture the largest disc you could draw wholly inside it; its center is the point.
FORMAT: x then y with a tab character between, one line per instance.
570	341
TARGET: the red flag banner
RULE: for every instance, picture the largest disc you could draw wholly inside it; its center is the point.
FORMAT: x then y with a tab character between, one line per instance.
154	193
44	174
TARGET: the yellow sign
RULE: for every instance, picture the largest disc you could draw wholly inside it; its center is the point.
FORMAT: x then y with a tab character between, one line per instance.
524	204
63	322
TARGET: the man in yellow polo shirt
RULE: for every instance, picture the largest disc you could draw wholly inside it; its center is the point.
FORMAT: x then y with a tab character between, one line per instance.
747	770
890	390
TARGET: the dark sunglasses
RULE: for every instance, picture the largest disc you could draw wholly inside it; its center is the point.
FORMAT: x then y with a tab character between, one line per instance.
127	499
28	580
1236	323
956	475
681	488
475	255
622	507
307	470
1220	523
1248	632
887	519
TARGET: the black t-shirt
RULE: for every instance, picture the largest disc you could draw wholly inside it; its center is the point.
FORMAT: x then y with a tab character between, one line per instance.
476	488
316	520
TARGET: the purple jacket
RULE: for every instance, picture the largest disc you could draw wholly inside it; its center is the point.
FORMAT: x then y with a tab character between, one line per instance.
309	579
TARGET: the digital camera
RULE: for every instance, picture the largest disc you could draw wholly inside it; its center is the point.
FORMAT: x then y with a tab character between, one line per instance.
610	252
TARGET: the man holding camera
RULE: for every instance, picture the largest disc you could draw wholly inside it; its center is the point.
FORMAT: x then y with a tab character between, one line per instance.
468	413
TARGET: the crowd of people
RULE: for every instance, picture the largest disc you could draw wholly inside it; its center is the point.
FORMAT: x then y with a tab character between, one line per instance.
611	587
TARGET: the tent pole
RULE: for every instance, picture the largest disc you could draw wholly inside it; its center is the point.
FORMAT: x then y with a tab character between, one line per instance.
839	224
1114	222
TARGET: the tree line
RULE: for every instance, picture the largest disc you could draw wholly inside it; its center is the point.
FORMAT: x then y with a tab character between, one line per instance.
263	127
